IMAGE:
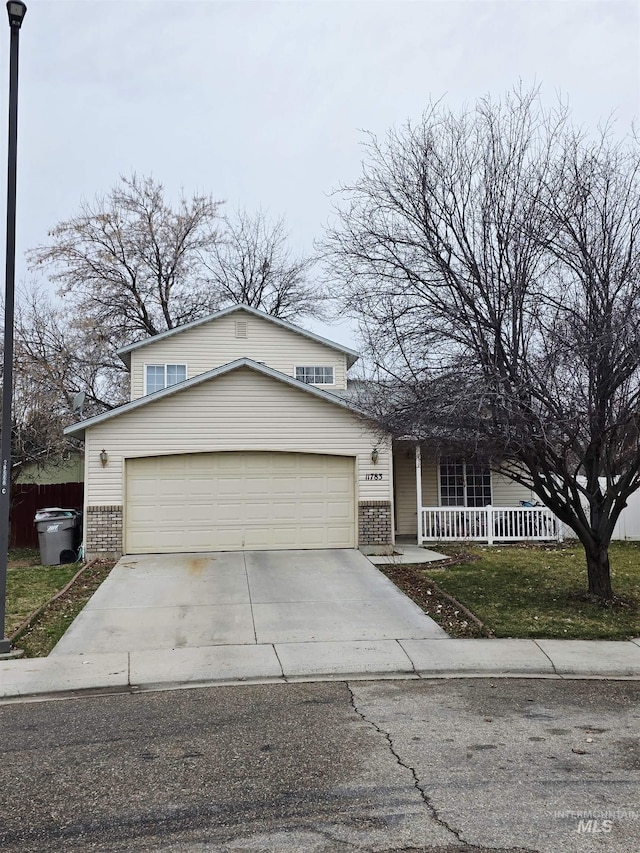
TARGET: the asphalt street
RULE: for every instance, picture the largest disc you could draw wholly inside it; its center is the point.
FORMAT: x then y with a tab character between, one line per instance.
447	765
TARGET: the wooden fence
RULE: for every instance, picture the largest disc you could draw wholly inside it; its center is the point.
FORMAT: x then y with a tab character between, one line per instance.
27	499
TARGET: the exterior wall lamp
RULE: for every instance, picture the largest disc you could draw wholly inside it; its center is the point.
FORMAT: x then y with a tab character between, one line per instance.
104	458
374	455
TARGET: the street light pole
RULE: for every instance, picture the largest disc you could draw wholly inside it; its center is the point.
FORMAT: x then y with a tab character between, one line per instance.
16	11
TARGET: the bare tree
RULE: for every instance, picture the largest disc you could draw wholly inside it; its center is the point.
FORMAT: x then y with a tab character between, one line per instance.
38	417
127	265
253	265
37	440
132	263
67	353
55	358
492	259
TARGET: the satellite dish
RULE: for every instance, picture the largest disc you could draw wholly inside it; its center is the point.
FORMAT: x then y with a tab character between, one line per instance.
78	401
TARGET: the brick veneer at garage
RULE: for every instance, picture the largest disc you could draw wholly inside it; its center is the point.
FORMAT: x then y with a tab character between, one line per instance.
374	523
104	532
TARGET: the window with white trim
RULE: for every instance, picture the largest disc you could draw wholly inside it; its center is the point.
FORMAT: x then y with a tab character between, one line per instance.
315	375
159	376
464	483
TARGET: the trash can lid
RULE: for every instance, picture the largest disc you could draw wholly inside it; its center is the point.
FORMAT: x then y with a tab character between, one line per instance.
54	512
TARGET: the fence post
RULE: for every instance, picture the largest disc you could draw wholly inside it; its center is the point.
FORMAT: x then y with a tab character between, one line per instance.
489	511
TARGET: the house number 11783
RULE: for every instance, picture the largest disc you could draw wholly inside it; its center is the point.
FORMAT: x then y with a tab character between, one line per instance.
373	476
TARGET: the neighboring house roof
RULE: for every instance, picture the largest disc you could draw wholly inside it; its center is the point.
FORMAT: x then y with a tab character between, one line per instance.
79	428
125	352
70	470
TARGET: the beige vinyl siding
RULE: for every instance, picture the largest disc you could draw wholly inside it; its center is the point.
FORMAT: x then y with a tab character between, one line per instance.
404	469
213	344
405	496
505	492
430	481
241	410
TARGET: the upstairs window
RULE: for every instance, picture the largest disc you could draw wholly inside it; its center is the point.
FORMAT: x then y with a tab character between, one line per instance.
464	484
315	375
159	376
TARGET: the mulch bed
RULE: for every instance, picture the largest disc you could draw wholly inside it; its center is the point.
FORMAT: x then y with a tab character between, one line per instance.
456	620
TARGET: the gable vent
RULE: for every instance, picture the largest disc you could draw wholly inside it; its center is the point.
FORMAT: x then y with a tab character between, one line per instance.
241	329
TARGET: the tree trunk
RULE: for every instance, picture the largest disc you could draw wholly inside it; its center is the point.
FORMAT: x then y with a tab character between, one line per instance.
598	571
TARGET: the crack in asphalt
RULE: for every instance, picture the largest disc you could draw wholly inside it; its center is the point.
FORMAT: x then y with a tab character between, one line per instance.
457	834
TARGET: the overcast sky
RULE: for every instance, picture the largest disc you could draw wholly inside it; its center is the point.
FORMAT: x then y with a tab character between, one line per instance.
263	103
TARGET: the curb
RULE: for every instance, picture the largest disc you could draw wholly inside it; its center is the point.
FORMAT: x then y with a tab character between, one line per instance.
65	676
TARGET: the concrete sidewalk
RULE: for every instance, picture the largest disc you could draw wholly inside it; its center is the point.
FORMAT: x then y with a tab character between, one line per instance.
410	554
283	662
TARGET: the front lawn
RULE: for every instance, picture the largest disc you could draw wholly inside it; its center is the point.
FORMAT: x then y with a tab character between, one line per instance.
539	591
31	585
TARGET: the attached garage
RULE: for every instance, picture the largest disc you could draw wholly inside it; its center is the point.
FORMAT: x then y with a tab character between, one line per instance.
231	501
241	457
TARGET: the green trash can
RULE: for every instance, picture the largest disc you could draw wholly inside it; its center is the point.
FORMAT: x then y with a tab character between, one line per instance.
57	535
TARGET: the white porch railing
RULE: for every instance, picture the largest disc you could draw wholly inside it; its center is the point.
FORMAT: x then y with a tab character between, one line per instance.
488	524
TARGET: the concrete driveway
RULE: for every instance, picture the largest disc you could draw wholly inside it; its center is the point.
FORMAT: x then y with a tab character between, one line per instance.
174	601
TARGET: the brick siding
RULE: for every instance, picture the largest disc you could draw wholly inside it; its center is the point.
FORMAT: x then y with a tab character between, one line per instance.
104	532
374	523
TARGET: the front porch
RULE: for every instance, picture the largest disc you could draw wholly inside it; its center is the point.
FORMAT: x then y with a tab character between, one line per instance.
445	500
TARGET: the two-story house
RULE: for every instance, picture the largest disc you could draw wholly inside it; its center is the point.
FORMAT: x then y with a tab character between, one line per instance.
236	437
240	434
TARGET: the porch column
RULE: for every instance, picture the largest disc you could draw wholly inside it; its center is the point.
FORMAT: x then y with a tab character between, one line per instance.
419	492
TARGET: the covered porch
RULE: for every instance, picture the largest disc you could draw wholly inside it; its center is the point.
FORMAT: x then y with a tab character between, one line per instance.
442	499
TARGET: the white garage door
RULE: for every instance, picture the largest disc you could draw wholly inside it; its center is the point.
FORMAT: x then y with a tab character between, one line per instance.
235	501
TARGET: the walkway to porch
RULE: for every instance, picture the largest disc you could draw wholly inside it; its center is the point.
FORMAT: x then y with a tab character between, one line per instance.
406	550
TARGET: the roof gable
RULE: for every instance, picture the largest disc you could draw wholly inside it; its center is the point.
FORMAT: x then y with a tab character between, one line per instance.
78	429
125	352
